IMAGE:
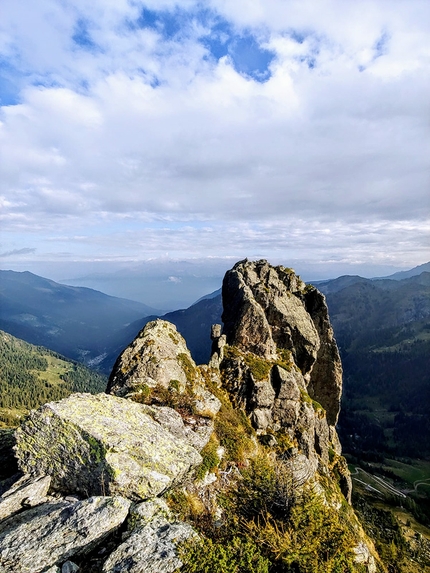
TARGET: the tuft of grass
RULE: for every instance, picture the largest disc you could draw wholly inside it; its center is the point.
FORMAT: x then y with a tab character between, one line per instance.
187	366
210	457
174	338
315	405
234	432
285	359
161	396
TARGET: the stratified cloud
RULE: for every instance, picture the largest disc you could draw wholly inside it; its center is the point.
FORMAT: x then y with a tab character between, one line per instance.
17	252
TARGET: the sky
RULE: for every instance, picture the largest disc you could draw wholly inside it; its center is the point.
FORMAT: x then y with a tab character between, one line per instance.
135	132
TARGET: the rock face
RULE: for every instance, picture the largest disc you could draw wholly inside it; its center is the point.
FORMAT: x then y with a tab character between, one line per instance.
158	359
281	362
268	310
24	493
102	445
157	355
51	533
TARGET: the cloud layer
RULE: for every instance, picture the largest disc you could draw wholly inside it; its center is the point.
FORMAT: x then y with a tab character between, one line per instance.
250	128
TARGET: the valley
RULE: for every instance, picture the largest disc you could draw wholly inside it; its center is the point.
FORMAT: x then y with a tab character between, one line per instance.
383	331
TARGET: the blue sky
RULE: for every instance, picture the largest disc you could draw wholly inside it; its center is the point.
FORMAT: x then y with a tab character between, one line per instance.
213	131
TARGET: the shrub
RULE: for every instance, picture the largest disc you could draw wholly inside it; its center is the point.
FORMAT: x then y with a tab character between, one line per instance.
265	488
314	539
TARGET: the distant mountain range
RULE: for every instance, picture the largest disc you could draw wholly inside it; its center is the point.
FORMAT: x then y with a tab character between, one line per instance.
74	321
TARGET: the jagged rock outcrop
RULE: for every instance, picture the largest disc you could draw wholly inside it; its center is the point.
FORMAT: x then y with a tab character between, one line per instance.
102	445
157	359
156	356
281	362
268	310
51	533
276	358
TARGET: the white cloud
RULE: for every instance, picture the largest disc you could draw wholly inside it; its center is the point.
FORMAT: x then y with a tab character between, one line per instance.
137	127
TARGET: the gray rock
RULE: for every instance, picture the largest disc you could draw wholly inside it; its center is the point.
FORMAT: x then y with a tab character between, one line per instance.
269	309
101	444
263	395
54	532
287	383
196	432
69	567
205	404
261	418
157	356
150	549
286	412
326	377
26	492
263	311
142	513
215	331
364	556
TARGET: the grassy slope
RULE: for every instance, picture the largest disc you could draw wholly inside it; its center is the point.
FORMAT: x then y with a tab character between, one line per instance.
33	375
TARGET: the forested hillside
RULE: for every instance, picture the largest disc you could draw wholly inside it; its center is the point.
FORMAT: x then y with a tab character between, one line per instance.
32	375
383	331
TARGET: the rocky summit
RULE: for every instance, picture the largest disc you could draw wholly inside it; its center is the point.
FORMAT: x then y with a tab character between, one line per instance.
234	466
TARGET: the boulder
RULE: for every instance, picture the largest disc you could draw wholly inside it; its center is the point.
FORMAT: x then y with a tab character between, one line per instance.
50	534
26	492
102	445
150	549
196	432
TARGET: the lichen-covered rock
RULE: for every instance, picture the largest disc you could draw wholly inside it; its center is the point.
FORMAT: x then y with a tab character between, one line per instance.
157	356
143	513
150	549
52	533
100	445
26	492
268	310
196	432
281	362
